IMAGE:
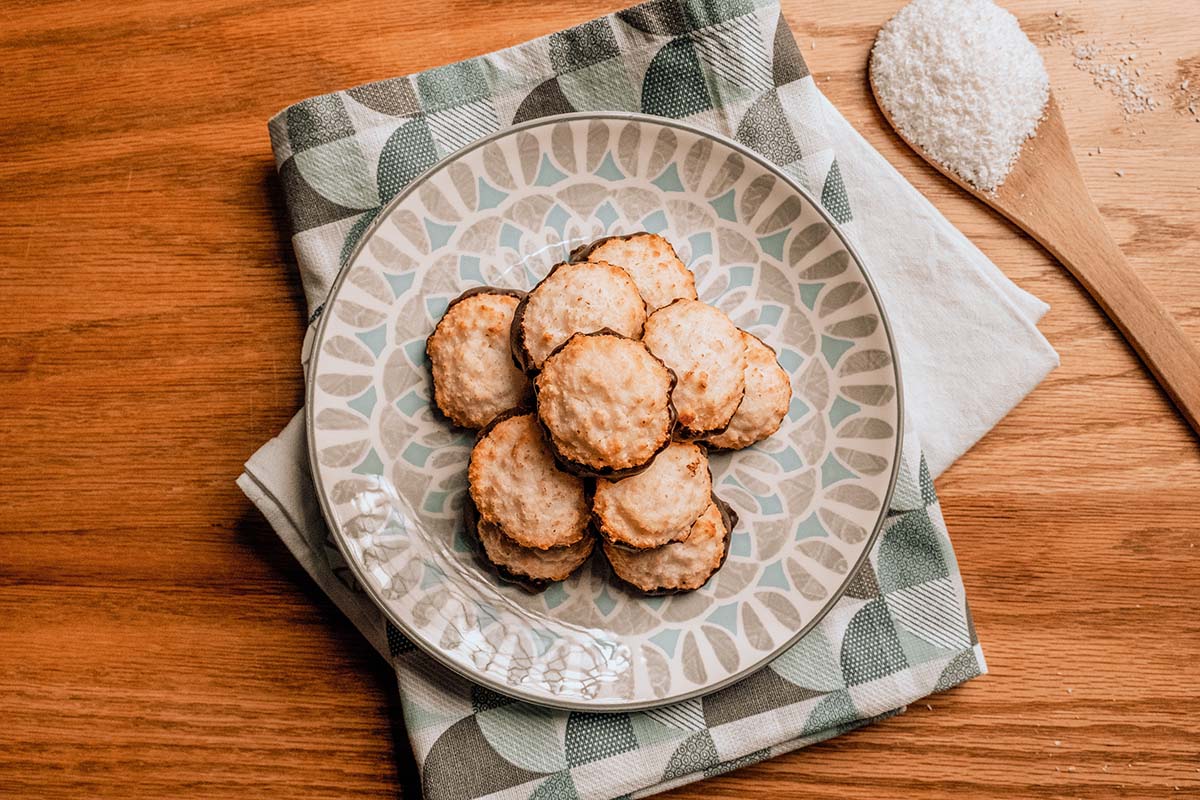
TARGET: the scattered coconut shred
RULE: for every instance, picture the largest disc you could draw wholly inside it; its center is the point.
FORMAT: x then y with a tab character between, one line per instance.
960	79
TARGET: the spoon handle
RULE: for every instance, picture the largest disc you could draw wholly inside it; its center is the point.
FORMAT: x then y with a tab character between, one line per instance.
1079	239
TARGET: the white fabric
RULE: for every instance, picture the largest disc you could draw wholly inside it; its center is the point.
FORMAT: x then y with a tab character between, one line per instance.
969	345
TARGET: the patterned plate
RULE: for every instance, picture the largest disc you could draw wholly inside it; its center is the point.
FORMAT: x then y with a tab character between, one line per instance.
391	476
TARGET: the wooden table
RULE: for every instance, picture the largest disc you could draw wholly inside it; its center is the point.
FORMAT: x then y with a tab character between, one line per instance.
157	640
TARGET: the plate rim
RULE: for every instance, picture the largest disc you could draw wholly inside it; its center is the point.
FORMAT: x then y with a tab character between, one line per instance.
337	534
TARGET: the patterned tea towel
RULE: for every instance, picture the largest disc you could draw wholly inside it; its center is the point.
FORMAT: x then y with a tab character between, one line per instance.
969	351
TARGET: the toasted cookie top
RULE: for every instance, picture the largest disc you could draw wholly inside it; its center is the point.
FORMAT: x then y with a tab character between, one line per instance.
652	263
474	377
768	395
517	486
658	505
706	352
606	404
579	297
679	566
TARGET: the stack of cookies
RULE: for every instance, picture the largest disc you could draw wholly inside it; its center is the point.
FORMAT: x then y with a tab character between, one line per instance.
598	396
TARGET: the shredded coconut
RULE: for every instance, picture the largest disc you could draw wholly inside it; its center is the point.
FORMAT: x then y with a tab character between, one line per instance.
961	80
1127	70
1118	77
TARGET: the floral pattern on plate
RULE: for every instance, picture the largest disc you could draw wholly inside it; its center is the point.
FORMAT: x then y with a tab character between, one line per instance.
391	474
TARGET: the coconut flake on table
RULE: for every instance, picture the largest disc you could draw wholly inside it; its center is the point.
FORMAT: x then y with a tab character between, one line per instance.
961	80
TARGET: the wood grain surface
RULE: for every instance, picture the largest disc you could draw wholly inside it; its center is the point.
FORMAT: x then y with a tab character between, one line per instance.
156	639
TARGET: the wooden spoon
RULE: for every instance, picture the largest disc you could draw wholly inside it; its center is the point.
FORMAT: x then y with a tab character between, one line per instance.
1045	196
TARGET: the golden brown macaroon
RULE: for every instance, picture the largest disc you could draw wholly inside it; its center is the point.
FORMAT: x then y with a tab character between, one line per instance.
768	396
656	506
526	565
474	378
679	566
517	486
652	263
605	402
706	352
579	297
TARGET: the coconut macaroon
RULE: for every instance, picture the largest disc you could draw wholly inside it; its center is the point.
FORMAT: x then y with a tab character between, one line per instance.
706	352
516	485
656	506
652	263
768	396
474	378
579	297
679	566
605	402
526	564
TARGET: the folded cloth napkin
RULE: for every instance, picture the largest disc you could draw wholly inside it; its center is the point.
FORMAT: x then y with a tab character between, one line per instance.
968	345
901	631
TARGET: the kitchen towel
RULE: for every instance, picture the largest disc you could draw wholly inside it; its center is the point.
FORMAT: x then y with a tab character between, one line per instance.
900	632
969	352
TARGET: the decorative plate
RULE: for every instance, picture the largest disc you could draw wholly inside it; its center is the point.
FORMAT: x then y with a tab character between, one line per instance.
391	476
